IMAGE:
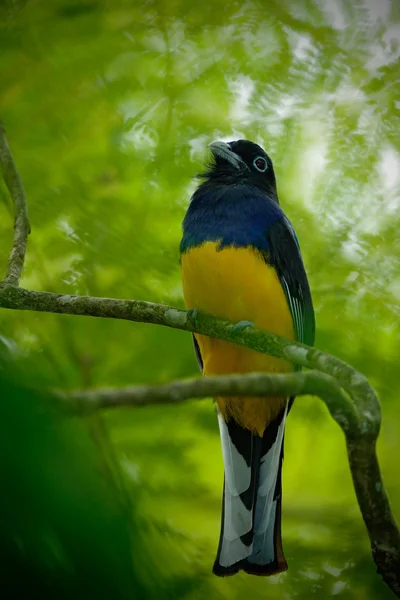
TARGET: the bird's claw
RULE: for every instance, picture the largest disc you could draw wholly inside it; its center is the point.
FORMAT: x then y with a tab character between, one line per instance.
242	325
192	314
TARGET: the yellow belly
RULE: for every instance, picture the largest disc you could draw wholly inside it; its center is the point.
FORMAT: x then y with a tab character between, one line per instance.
237	284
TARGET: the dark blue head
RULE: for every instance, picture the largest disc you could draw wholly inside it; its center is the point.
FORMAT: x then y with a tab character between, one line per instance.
241	162
237	201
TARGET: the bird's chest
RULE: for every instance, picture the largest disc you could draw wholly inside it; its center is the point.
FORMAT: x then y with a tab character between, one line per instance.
238	285
235	284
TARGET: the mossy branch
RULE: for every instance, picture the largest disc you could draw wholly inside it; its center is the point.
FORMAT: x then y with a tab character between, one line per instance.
350	398
250	384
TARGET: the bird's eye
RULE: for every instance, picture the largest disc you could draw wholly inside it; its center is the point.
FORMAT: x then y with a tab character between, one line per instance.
260	164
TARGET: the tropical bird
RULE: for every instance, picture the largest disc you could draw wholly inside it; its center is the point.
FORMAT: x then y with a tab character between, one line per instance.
241	262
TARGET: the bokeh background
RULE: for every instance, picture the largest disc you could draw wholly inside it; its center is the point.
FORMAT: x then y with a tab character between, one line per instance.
109	107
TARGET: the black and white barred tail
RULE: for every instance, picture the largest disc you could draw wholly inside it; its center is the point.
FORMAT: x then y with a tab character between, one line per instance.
250	538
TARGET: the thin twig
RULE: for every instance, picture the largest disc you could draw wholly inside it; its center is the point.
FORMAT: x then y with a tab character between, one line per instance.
21	219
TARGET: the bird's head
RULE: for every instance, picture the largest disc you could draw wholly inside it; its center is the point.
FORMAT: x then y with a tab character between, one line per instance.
241	161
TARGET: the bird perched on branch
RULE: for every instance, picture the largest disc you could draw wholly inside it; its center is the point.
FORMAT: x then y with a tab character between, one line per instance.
241	262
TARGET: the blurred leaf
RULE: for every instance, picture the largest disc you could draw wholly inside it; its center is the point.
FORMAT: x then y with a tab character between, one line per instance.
63	530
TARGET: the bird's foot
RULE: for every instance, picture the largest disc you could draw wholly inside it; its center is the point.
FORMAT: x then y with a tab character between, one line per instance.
242	325
192	314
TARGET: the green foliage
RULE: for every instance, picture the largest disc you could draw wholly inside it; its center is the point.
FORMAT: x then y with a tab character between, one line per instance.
109	107
63	531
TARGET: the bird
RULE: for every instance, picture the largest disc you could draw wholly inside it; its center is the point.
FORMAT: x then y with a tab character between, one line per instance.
241	261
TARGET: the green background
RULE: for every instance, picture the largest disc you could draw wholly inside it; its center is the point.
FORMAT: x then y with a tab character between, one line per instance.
109	107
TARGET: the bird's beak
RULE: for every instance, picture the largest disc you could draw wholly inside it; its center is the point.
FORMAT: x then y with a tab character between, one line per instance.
223	150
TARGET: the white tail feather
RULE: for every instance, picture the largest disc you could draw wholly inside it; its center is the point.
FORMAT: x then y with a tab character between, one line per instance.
232	552
237	472
263	544
264	523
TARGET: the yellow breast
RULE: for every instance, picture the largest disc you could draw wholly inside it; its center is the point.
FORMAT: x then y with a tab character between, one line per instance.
237	284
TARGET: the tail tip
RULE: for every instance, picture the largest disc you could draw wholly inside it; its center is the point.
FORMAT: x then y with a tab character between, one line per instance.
272	568
221	571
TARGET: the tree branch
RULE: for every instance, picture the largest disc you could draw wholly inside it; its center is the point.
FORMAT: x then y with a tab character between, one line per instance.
350	398
363	395
356	385
372	498
251	384
21	219
374	504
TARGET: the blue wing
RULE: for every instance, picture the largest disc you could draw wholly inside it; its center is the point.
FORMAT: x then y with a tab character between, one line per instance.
284	254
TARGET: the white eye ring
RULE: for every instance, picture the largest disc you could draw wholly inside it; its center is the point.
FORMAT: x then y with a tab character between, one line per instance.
260	159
